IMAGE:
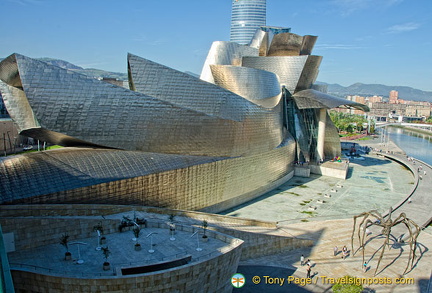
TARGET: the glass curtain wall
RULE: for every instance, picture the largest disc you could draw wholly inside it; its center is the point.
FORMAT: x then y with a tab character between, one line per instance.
246	17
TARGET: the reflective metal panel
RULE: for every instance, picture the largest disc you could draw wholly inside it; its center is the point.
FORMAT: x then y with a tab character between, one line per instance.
308	44
285	44
185	90
258	86
124	177
225	53
287	68
289	44
204	144
314	99
264	36
309	73
73	109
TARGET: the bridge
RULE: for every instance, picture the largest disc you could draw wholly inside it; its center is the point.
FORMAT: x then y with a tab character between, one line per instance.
422	126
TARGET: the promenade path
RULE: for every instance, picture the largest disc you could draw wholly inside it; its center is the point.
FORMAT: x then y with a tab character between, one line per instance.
417	206
375	183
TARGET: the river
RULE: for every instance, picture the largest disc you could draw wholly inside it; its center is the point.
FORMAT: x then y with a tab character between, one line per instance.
414	144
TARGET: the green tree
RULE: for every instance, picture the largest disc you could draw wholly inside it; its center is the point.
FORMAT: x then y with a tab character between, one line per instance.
346	122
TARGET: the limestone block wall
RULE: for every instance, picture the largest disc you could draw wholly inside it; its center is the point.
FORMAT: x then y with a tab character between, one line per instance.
35	232
331	172
256	244
32	232
302	171
212	275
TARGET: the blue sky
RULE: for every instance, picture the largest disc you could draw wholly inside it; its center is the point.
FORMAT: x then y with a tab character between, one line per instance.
368	41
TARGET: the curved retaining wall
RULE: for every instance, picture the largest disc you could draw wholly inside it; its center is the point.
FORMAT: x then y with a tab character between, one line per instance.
212	275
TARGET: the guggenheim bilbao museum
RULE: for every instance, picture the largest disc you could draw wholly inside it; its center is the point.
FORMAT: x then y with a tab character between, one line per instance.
171	140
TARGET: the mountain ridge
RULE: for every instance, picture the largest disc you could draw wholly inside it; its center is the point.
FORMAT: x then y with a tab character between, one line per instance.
360	89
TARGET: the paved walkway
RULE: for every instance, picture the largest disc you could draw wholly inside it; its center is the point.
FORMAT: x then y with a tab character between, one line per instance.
302	210
375	183
417	207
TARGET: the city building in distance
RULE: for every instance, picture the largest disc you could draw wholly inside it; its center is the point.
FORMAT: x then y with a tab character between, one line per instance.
246	17
395	110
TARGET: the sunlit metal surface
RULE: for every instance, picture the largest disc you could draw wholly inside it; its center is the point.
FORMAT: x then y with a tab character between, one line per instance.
173	140
288	44
264	36
294	71
71	110
258	86
74	175
225	53
314	99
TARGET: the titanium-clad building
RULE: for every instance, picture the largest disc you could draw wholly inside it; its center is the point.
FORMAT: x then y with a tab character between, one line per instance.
171	140
246	17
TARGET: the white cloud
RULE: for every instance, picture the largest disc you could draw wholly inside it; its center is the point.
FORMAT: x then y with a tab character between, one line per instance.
402	28
337	46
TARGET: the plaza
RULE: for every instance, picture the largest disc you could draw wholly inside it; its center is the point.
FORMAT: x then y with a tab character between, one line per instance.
272	244
333	227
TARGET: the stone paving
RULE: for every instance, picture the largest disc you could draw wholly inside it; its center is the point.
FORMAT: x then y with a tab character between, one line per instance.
87	260
375	183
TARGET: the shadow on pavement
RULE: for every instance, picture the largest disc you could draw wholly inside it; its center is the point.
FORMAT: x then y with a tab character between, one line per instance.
274	272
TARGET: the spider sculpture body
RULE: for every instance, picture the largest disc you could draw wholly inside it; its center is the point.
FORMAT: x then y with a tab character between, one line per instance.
374	218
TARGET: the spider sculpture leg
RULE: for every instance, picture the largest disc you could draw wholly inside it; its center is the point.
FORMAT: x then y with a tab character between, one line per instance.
365	216
386	241
413	240
410	225
368	223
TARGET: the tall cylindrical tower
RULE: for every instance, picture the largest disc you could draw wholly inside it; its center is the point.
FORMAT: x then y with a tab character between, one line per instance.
246	17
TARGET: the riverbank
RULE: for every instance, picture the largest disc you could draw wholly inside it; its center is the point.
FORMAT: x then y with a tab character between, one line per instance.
414	129
375	142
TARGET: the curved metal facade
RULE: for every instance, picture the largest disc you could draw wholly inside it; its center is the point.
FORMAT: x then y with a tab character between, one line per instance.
172	140
295	72
184	115
258	86
225	53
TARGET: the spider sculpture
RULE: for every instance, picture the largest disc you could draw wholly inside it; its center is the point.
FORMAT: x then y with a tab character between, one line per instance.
412	227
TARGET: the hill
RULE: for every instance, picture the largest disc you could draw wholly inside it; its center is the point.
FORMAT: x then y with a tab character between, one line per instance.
361	89
92	72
